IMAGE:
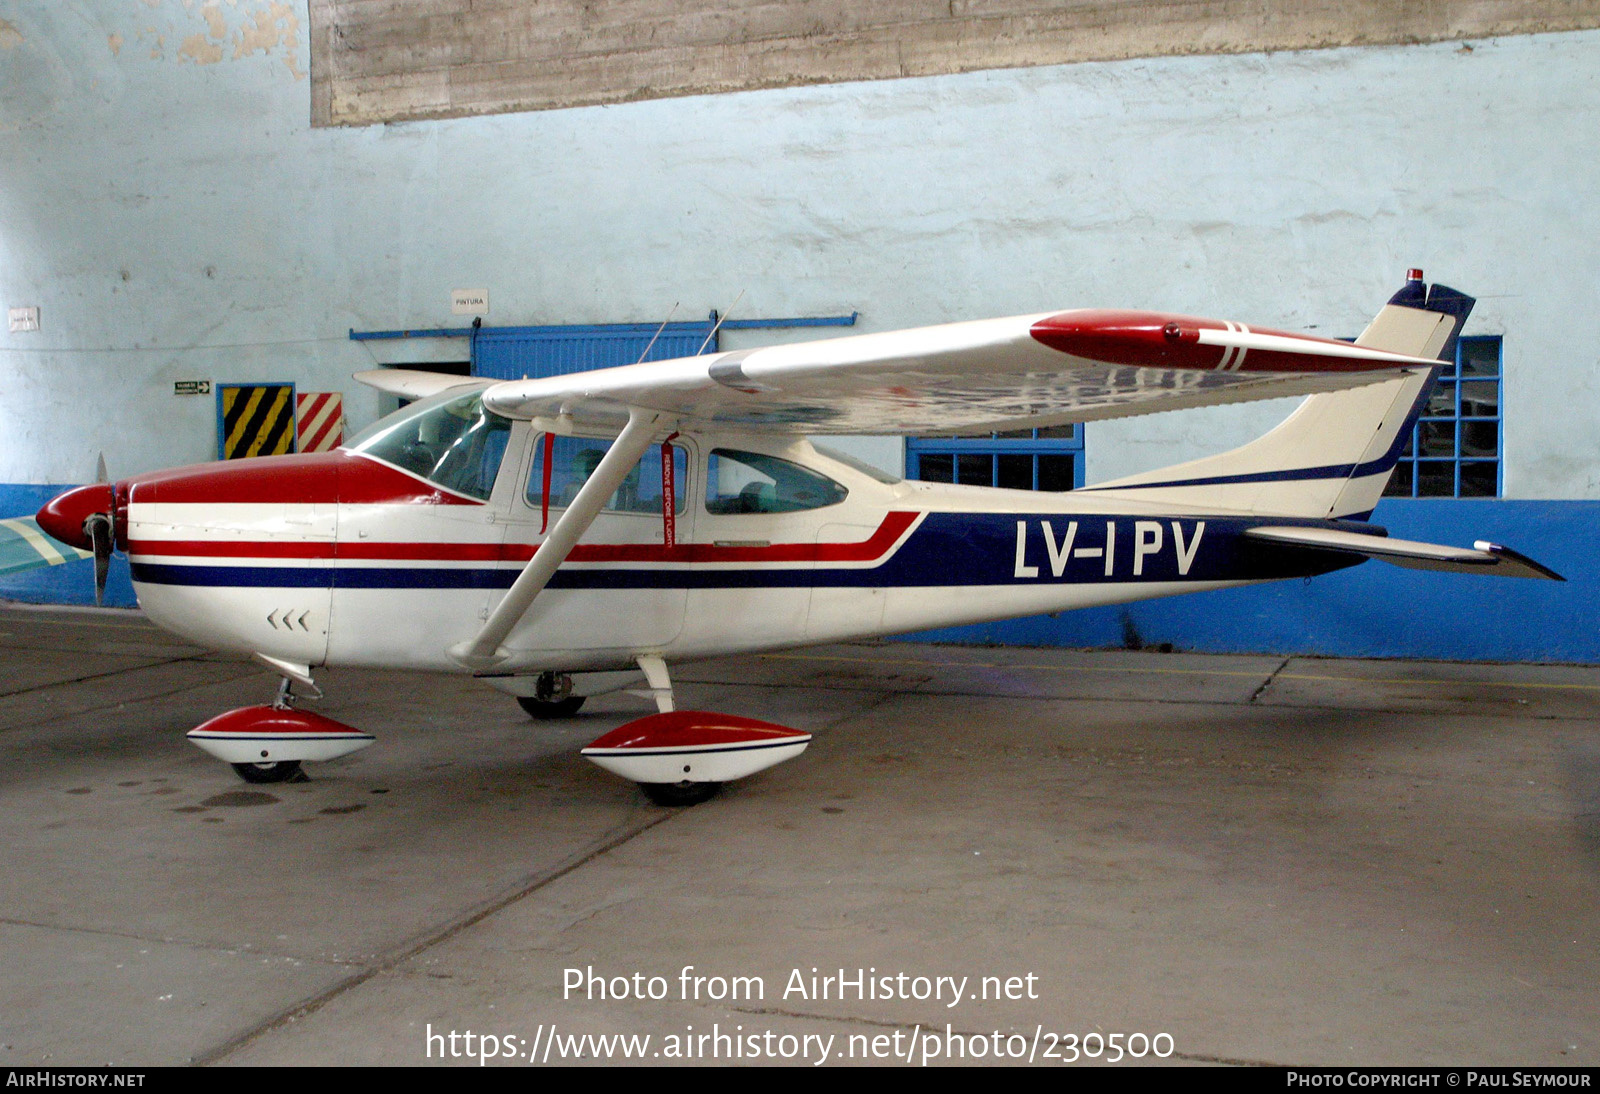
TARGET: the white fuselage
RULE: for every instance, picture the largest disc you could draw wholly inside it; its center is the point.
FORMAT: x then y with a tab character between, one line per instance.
368	564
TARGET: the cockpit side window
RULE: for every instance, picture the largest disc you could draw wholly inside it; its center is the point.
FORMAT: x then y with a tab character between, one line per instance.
577	457
754	482
454	443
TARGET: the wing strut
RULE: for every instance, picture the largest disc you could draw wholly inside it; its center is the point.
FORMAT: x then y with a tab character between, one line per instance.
484	651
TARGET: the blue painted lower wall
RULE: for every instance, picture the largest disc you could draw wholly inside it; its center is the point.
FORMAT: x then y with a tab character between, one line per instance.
70	583
1375	609
1371	610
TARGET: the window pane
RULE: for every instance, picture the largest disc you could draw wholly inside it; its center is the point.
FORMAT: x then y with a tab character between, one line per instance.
1480	399
1400	482
1480	357
1442	401
577	457
1015	435
1436	479
936	467
1438	438
1058	432
754	482
1016	471
1480	438
1056	473
975	470
1478	480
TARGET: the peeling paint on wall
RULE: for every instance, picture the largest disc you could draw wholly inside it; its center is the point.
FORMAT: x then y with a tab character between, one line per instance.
10	36
216	25
213	31
195	48
274	27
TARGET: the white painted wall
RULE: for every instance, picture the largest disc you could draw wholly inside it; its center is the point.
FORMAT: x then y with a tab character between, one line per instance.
175	219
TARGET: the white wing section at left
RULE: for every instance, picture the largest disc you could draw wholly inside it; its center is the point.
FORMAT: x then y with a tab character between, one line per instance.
992	374
414	383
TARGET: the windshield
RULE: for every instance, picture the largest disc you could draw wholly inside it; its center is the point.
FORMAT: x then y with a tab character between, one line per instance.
449	439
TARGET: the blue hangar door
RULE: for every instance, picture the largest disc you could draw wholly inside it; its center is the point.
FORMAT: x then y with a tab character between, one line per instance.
512	353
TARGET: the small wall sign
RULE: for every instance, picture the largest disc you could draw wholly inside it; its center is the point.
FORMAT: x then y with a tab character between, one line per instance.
469	301
191	387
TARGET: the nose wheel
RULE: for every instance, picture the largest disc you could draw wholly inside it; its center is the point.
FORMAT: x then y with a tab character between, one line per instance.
268	744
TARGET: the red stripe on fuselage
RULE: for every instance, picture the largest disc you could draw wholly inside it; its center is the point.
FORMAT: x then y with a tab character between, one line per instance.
314	478
893	527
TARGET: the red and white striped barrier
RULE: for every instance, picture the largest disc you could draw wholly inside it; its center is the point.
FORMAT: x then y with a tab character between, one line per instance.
320	418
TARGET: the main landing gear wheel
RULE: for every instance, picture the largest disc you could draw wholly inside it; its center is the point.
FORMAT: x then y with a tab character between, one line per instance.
281	772
673	795
564	708
552	697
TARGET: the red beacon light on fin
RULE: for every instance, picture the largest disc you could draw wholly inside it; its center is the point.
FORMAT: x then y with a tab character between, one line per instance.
1414	274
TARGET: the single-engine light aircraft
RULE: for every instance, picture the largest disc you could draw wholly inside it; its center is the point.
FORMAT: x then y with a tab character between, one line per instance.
559	538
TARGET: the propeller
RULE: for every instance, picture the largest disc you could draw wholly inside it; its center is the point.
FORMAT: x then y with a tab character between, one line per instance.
98	528
83	517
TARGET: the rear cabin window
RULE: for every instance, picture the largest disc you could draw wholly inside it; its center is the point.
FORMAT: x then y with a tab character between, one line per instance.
577	457
754	482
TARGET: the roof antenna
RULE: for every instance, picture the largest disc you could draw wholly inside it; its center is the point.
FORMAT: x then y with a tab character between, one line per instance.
720	319
657	334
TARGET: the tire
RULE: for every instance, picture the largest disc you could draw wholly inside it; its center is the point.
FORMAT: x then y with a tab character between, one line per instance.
560	708
281	772
677	795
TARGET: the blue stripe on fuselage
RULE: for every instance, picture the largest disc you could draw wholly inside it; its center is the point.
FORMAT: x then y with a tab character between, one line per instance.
947	549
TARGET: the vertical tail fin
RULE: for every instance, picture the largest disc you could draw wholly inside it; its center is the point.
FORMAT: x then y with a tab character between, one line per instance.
1333	456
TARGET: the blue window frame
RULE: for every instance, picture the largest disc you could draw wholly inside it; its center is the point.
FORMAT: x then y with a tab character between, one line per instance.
1455	449
1022	459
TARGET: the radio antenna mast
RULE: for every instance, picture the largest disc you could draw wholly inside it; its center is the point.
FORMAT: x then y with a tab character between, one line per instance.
651	344
718	327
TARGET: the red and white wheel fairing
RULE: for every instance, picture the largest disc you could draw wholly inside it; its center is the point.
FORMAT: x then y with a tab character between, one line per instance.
695	746
261	735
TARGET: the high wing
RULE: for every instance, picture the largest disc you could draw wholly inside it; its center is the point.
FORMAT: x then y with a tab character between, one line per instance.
972	377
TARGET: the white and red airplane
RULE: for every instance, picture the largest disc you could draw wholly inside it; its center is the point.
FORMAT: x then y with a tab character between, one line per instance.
559	537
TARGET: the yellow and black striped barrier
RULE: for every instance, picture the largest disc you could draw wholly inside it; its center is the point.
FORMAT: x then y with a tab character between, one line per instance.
255	420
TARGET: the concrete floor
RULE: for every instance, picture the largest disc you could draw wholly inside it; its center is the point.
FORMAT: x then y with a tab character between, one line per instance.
1280	861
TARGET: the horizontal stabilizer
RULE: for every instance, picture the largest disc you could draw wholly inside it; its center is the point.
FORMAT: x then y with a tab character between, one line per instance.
1481	557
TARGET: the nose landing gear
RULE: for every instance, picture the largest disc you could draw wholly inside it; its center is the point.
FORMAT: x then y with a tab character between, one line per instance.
267	744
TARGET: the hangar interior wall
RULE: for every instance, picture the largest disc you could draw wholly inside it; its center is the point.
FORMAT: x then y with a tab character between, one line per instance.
167	204
391	60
